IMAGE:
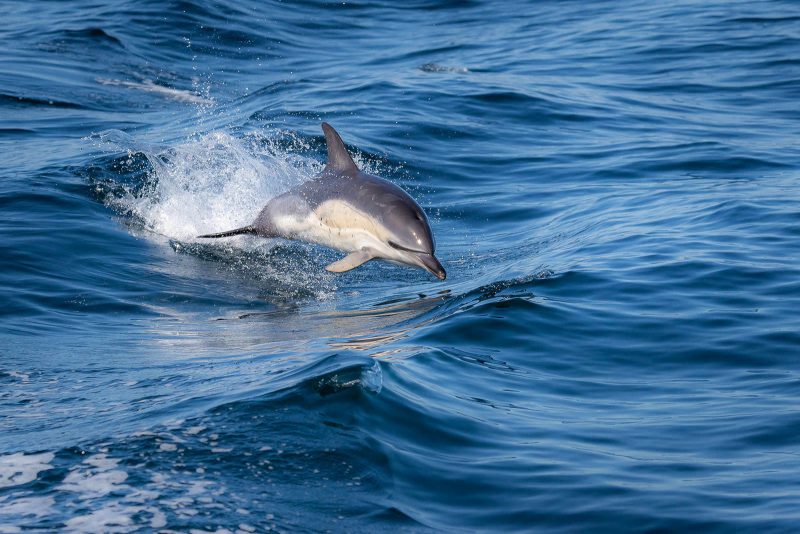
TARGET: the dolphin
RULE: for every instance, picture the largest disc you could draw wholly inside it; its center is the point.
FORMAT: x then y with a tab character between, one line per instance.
349	210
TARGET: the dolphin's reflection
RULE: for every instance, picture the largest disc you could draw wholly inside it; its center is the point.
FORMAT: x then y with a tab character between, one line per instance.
378	327
358	329
289	332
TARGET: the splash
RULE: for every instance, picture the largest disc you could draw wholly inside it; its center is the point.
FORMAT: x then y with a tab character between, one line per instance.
171	194
215	183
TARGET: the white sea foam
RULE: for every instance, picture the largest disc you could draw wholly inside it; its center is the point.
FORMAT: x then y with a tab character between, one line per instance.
18	506
98	479
110	503
17	469
112	518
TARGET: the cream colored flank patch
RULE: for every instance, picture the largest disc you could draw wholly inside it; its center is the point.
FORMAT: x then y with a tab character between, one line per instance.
342	216
339	225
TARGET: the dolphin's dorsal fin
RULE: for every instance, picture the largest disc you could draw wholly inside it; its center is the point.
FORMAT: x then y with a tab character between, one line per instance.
339	159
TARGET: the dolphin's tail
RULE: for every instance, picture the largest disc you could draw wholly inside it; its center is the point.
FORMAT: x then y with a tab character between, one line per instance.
238	231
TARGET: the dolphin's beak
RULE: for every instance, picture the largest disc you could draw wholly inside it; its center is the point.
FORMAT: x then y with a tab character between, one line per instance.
432	265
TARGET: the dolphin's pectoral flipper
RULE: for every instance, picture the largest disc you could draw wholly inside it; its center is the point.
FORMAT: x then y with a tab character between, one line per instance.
351	261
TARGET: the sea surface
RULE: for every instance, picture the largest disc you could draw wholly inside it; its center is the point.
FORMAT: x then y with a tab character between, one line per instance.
614	188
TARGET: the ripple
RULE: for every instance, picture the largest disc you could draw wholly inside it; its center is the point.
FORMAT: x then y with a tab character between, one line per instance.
11	100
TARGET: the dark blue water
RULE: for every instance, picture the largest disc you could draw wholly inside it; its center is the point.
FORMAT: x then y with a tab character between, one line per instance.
614	192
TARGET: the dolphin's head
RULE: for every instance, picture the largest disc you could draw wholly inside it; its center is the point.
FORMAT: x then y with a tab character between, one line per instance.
410	235
405	231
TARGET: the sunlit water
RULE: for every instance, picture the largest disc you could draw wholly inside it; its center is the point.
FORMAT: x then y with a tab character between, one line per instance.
613	188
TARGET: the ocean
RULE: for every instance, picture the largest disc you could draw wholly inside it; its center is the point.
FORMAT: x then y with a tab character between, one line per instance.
613	190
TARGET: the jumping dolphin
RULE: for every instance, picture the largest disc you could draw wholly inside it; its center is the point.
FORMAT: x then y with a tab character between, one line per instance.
346	209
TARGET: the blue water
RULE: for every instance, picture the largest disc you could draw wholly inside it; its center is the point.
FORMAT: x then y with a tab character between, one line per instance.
613	188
